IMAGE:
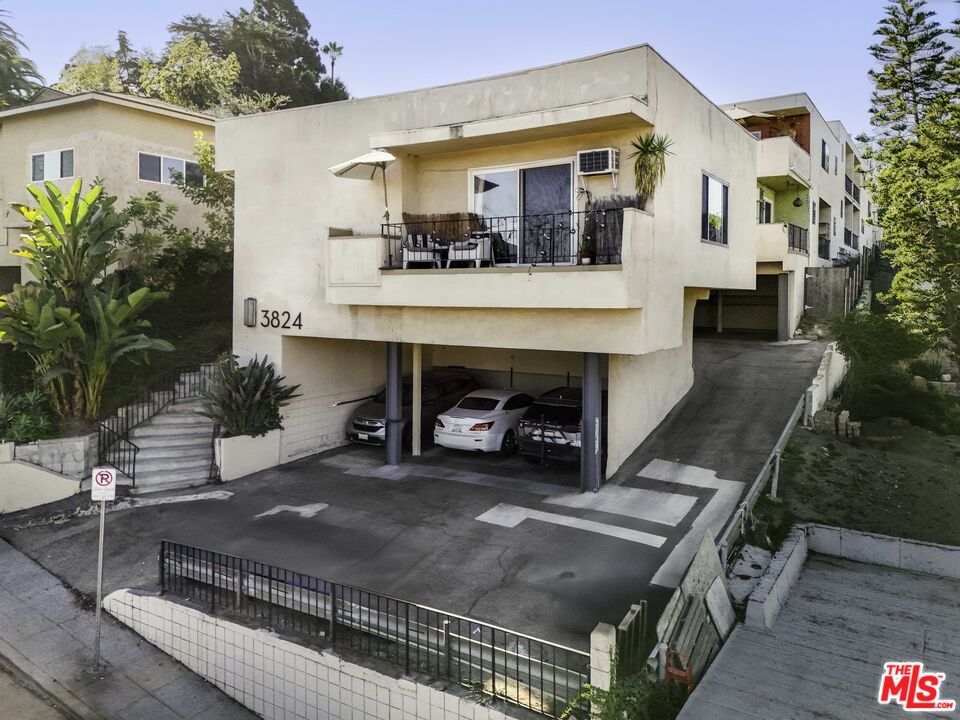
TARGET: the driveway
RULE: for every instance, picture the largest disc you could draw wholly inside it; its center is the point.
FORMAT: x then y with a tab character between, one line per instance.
498	540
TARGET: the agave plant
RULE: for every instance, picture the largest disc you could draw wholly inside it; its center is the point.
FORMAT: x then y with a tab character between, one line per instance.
246	399
649	162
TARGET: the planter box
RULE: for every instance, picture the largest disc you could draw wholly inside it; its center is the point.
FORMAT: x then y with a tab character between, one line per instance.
243	455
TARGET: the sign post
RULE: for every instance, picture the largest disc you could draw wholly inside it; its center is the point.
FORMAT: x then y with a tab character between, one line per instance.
102	488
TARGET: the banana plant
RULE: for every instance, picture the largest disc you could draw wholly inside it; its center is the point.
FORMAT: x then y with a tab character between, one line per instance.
76	320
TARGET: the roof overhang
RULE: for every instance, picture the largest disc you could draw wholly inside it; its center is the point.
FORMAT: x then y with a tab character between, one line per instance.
131	102
616	113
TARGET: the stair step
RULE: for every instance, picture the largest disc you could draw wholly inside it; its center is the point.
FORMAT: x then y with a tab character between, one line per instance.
166	418
172	438
146	486
171	469
182	453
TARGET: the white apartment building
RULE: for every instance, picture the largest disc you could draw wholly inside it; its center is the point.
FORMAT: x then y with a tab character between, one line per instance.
493	198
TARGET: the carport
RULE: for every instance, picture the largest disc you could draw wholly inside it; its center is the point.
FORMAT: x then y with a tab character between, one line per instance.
764	311
532	371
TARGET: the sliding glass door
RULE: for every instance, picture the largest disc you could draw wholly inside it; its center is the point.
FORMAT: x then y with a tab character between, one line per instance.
528	209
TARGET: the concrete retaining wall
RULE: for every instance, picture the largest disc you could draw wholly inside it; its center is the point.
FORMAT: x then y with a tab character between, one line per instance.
832	370
24	486
278	679
900	553
242	455
72	456
768	598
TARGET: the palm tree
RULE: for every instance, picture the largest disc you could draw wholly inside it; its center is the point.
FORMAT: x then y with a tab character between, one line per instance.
333	51
18	76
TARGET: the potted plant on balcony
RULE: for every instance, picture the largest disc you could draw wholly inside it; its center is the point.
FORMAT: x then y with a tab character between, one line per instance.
649	163
585	249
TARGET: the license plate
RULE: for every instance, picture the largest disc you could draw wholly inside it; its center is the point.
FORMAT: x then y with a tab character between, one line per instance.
363	436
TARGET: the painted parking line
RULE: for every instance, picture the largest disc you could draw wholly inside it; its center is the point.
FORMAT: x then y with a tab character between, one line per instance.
664	508
304	511
510	516
713	517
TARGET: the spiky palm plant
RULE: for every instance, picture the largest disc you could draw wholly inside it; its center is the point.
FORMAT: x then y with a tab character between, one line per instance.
649	162
246	399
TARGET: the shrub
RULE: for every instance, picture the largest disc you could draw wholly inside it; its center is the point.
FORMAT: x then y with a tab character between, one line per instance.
246	400
25	417
892	394
928	369
635	697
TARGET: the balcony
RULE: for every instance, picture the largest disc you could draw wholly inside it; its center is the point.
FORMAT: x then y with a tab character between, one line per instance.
851	188
596	259
823	247
775	240
851	239
781	160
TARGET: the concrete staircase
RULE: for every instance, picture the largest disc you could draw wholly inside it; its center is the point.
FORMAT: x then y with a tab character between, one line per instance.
176	444
175	448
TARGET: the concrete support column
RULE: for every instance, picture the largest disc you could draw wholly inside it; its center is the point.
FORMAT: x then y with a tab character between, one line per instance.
417	399
603	647
783	306
719	311
394	403
591	430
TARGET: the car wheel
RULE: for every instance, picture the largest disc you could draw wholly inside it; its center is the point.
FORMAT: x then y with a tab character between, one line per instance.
509	444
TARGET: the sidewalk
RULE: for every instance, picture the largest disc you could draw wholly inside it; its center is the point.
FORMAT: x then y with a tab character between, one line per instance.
46	635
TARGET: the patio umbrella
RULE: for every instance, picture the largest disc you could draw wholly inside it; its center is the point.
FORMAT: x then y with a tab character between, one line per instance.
739	113
366	167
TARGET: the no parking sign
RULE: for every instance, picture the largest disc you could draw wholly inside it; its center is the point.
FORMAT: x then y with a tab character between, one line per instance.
104	485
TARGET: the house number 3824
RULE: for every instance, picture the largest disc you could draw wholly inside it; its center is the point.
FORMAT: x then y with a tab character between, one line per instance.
278	319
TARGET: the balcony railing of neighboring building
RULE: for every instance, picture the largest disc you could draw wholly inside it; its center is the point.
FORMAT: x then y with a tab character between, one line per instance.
854	241
851	188
846	237
587	237
797	238
856	193
823	247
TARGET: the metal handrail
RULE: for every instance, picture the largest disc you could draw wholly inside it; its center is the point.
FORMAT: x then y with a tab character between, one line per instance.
735	526
114	446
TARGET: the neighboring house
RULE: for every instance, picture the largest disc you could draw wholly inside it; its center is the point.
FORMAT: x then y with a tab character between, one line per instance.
811	208
131	143
490	168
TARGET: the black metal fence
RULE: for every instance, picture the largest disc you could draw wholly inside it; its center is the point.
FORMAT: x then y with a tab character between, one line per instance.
797	238
114	446
528	672
590	236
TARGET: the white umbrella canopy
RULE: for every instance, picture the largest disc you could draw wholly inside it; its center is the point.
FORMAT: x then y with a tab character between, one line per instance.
739	113
365	167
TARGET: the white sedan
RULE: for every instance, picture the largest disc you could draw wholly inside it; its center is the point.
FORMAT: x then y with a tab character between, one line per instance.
484	420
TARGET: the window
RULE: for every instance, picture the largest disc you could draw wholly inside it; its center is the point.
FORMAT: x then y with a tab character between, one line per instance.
52	165
842	205
165	170
765	214
813	213
517	402
713	210
835	172
757	134
834	226
824	155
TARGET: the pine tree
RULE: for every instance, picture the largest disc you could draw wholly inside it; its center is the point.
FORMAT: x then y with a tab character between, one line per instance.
912	57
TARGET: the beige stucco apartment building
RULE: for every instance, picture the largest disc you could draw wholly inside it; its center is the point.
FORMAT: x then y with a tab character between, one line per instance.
130	143
812	210
333	300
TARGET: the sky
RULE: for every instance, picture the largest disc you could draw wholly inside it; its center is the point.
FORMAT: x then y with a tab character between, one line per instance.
731	50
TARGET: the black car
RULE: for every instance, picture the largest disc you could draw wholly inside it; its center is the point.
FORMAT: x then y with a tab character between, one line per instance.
441	389
551	429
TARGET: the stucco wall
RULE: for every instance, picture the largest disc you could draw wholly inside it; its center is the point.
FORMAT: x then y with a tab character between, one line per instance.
106	140
24	486
72	456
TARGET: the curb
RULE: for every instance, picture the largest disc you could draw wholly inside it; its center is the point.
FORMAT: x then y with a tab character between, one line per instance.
44	685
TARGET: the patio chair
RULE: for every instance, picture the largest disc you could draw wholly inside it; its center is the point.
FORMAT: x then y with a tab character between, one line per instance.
420	248
477	249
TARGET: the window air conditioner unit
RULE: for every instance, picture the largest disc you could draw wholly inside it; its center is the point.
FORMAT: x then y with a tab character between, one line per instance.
603	161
